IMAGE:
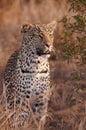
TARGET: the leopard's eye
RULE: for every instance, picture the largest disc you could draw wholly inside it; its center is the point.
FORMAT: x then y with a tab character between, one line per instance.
41	36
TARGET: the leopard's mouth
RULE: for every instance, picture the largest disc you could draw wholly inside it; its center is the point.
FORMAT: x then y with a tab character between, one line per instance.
49	53
41	52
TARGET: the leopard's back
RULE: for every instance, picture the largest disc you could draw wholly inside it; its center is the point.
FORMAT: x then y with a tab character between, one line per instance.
10	68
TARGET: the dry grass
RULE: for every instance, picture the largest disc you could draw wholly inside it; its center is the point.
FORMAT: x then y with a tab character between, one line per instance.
67	106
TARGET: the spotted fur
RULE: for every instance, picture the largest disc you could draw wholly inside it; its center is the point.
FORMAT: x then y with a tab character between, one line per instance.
27	74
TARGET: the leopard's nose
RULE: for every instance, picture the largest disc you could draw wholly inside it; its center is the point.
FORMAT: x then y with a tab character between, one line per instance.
52	52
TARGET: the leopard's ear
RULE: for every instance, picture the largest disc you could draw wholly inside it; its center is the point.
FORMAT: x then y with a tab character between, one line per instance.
25	28
52	26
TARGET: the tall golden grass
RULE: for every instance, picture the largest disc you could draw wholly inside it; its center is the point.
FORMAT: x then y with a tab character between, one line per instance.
67	106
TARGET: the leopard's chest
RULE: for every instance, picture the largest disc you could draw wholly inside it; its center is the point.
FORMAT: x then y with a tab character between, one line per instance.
35	80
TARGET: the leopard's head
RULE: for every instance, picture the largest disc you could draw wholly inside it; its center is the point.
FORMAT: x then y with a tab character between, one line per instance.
40	37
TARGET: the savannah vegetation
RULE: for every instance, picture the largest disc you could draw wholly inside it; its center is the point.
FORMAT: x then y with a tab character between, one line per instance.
67	105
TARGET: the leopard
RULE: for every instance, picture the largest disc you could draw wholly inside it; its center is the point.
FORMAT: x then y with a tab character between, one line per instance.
27	79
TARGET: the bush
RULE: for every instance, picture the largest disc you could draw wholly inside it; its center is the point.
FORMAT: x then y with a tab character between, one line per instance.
74	33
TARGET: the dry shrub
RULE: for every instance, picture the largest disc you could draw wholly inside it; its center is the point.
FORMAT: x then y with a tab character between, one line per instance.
67	105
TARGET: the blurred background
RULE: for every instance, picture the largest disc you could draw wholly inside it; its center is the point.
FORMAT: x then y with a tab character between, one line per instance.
14	13
67	105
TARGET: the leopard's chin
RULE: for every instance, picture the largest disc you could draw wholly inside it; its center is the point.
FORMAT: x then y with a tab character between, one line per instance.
52	57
